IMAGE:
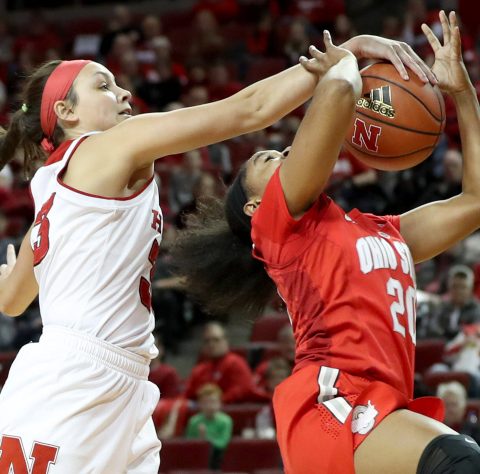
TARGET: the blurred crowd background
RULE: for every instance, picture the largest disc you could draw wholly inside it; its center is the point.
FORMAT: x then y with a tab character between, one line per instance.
173	54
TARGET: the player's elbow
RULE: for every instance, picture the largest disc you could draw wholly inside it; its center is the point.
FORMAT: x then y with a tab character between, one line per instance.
251	112
9	307
339	93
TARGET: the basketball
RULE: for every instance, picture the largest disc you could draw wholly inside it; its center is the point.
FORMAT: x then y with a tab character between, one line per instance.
397	123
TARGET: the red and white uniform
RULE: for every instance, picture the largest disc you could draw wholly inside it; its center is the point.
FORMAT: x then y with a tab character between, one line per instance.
349	285
83	388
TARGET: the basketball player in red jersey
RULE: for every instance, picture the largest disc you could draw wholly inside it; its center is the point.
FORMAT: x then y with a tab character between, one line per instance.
79	400
348	283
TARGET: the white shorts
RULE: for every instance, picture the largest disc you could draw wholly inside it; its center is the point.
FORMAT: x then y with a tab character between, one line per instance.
75	404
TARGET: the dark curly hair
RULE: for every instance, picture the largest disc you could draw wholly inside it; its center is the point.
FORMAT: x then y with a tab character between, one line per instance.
214	255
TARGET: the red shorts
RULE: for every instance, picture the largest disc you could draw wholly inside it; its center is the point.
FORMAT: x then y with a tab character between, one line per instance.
323	415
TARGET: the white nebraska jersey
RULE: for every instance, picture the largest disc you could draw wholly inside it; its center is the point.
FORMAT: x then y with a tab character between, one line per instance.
93	257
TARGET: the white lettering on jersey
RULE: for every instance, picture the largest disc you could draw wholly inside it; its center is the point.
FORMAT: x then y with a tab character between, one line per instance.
406	258
375	253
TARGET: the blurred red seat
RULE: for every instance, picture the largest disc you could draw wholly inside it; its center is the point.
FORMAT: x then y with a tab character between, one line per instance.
243	415
434	379
266	328
179	453
427	353
250	454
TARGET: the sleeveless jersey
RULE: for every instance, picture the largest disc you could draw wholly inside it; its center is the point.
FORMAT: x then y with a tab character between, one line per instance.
94	256
349	285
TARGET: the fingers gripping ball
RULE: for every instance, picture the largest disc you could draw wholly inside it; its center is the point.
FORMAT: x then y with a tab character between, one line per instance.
397	123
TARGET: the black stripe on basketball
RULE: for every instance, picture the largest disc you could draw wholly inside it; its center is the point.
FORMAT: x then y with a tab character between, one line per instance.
390	124
366	152
408	92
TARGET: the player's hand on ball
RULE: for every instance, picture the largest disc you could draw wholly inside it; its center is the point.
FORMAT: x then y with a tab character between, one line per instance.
320	62
400	54
448	67
7	268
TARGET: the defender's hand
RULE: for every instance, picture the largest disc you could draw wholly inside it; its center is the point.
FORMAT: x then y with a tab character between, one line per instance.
400	54
448	67
320	62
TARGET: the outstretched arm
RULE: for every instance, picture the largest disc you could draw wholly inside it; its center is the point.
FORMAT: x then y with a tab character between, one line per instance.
317	142
142	139
433	228
18	286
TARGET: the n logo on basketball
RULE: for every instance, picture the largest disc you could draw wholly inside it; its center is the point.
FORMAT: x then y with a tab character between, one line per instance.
366	137
13	458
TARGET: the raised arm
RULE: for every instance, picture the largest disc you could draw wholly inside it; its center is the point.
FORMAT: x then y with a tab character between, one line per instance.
144	138
433	228
317	142
18	286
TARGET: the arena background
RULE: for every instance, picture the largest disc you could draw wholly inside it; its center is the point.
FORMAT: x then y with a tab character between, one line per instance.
172	54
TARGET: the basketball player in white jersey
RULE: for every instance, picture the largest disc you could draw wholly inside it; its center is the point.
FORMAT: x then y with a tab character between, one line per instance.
79	400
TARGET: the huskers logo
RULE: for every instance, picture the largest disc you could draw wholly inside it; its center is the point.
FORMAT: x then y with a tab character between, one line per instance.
13	458
366	138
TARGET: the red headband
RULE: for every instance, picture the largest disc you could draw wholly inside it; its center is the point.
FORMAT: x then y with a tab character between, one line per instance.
56	88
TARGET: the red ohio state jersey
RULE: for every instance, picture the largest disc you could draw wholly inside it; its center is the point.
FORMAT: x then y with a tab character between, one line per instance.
349	285
94	256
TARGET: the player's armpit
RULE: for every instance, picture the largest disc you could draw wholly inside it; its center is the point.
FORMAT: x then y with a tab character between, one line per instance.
19	288
433	228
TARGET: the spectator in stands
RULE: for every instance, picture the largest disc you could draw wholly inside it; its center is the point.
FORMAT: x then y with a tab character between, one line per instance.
220	84
454	395
298	41
286	351
223	10
119	23
163	375
205	187
220	366
121	46
343	28
459	308
206	41
151	29
196	95
183	181
211	424
353	184
451	182
261	39
164	79
278	369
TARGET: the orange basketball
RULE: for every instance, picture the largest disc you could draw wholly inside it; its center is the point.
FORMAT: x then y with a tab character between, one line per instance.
397	123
